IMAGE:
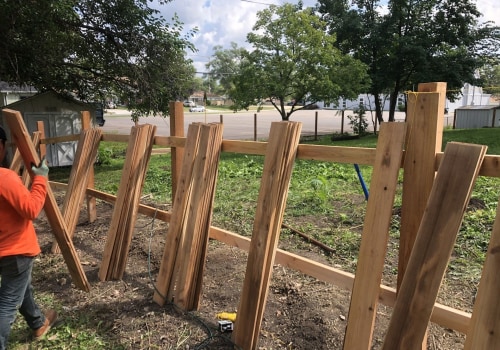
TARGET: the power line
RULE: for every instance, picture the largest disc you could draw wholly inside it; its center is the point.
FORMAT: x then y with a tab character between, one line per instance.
258	2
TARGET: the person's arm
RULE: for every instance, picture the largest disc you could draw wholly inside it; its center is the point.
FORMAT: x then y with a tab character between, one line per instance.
28	203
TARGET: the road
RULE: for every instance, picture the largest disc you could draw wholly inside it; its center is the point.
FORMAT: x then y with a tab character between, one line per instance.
241	125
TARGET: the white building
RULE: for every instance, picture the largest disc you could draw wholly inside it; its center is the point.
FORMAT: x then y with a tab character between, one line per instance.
470	96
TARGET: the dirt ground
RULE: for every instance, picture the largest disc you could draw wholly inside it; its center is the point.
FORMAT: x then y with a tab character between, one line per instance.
301	312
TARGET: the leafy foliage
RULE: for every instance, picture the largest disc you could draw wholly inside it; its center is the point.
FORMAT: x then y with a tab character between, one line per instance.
294	60
95	48
491	77
414	42
225	64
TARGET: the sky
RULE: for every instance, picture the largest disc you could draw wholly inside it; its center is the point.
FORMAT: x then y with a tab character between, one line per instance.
221	22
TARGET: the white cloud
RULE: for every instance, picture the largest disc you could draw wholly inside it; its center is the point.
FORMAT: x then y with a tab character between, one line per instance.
490	10
221	22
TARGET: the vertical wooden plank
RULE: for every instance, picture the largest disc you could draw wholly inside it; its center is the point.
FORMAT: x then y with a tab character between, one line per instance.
425	113
40	126
433	246
366	290
279	159
484	328
425	117
177	153
20	137
91	201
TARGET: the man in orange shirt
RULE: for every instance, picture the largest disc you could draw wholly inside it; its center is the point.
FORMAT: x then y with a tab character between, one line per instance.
18	247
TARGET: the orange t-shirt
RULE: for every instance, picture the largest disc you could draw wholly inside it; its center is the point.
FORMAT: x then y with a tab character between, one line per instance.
18	207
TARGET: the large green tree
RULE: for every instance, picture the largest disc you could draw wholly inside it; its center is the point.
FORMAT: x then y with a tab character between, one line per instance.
412	42
93	48
224	65
293	59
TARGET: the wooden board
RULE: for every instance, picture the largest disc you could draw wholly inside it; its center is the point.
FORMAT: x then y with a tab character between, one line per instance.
371	258
121	228
21	138
163	292
192	252
484	329
433	246
83	165
424	139
279	159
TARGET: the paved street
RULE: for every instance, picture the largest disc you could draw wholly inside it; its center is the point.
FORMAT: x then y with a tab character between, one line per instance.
241	125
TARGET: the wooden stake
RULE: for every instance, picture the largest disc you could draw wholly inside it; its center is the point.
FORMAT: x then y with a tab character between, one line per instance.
433	245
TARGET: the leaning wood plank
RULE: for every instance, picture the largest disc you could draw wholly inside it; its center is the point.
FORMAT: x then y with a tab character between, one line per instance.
279	159
91	202
192	252
366	290
484	330
85	156
21	138
433	245
178	218
121	228
17	160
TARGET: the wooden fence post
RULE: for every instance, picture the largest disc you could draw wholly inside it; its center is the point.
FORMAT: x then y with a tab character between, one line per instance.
425	114
255	127
177	153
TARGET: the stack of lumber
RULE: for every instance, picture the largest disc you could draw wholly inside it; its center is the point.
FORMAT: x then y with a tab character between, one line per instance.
278	164
181	270
86	153
117	246
28	152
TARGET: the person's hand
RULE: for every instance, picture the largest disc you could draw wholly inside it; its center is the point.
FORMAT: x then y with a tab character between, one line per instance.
42	170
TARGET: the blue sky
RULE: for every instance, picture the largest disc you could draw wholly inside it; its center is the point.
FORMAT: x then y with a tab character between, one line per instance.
221	22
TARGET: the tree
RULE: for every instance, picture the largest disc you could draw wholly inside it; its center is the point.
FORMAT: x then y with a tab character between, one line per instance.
416	41
491	79
224	64
93	48
293	59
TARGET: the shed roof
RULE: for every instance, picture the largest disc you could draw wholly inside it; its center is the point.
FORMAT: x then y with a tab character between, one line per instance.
46	93
479	107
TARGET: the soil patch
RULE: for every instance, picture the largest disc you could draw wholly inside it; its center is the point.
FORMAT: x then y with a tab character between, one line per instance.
301	312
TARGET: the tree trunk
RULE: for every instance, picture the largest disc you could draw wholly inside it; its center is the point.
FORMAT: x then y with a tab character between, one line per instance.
378	109
393	102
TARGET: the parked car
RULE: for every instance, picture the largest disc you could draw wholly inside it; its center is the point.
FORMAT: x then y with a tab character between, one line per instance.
189	104
197	109
111	105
